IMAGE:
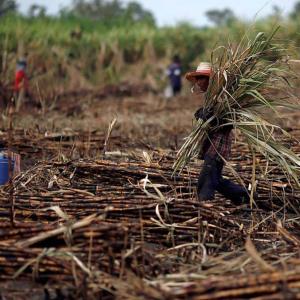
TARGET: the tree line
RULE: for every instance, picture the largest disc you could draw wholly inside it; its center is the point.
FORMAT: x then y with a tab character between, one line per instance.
112	12
107	12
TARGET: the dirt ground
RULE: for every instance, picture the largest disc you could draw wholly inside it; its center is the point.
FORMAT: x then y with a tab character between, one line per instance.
97	214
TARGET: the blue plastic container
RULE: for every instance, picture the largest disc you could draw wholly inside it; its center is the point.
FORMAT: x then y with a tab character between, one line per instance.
4	170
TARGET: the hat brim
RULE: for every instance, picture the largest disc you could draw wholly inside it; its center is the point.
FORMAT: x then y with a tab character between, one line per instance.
191	76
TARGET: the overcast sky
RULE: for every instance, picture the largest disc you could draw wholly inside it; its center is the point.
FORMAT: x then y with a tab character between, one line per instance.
171	11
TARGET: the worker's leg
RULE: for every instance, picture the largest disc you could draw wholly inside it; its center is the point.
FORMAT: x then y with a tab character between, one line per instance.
176	89
208	180
238	194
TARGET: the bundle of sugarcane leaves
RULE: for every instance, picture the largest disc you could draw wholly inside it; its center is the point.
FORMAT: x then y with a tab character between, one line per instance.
247	80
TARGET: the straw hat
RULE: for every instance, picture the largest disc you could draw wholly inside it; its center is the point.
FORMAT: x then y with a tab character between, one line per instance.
203	69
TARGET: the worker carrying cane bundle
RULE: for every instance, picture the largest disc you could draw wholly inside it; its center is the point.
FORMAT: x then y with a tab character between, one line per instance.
216	148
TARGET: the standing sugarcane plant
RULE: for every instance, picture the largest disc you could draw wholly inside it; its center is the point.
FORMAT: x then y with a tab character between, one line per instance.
247	80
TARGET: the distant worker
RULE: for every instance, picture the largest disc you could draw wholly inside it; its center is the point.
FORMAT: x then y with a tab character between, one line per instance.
21	79
174	74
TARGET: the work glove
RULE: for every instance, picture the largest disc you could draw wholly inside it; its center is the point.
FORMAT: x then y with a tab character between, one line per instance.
203	114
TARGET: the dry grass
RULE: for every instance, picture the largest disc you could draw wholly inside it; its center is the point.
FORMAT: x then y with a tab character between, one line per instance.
127	229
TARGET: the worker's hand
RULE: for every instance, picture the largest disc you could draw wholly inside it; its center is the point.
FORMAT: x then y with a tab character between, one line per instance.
199	114
225	123
203	114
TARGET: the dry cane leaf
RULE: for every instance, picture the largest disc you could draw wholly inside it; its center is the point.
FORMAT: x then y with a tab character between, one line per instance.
256	256
279	184
287	235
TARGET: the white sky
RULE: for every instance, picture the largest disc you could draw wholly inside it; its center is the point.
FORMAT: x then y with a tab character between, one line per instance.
171	11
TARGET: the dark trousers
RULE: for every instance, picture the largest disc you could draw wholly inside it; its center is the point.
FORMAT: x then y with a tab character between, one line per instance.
211	180
176	89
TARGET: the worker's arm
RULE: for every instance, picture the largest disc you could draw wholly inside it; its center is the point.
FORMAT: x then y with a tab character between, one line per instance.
204	115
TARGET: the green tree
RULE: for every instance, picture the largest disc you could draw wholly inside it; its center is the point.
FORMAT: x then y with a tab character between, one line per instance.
97	9
220	17
36	11
134	12
276	13
110	12
296	11
7	6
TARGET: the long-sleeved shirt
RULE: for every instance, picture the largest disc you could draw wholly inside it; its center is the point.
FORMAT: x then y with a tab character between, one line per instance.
218	143
174	74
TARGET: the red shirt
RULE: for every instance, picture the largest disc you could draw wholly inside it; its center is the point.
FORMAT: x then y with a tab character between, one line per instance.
21	81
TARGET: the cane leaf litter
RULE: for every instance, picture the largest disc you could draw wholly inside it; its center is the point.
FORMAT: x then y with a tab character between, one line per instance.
102	213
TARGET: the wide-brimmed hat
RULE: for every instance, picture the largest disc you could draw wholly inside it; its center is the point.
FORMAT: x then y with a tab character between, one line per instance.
203	69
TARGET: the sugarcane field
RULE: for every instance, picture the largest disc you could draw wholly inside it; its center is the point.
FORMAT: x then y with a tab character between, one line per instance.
145	159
